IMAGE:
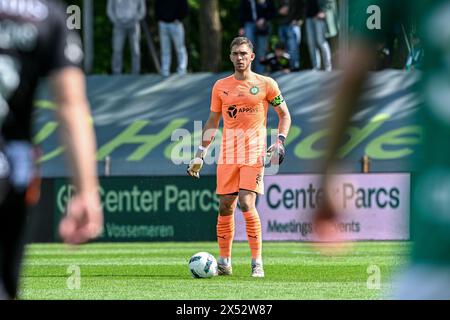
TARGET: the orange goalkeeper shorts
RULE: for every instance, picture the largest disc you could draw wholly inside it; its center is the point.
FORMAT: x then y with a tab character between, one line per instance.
233	177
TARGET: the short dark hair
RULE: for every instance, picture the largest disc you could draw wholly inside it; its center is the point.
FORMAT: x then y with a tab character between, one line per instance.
239	41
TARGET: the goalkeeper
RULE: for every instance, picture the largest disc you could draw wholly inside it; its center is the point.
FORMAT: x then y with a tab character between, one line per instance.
242	99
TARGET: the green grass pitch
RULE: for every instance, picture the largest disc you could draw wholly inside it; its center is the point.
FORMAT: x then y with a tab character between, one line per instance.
160	271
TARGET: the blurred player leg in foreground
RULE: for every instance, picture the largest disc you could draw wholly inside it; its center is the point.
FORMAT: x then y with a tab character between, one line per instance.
427	276
49	49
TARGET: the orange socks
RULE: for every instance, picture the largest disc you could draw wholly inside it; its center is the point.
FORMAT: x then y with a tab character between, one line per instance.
253	226
225	235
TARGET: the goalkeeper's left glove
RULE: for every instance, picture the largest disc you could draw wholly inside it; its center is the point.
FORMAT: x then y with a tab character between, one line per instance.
277	150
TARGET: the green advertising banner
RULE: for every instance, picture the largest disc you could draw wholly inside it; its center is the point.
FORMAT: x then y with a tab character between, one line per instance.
149	120
151	209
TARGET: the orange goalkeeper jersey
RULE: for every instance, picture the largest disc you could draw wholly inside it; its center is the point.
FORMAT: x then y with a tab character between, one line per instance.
244	105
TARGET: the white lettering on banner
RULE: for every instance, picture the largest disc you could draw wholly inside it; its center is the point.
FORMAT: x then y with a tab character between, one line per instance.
375	206
136	199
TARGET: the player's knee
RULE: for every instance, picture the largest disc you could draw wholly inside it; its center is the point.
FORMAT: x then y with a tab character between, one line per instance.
247	201
247	205
226	208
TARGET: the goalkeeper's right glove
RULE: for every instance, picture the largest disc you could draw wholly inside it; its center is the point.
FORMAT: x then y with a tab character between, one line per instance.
194	167
196	164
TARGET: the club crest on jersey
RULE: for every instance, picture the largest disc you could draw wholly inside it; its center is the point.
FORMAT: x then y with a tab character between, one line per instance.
254	90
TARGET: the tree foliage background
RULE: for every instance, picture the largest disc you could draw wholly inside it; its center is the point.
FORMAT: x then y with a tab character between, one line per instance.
229	18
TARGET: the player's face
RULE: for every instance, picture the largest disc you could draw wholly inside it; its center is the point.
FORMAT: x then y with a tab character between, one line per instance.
242	57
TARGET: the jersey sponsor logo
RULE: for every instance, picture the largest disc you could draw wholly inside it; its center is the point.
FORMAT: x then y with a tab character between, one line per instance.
248	110
233	111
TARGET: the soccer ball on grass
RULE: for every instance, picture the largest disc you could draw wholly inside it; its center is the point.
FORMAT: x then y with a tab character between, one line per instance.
203	265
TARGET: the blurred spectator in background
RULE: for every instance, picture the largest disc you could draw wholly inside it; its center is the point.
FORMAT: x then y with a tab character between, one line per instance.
256	16
415	56
125	15
316	30
331	18
279	60
383	57
170	14
394	41
289	31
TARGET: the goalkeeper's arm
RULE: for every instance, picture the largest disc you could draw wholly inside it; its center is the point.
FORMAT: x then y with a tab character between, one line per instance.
284	122
209	130
284	125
